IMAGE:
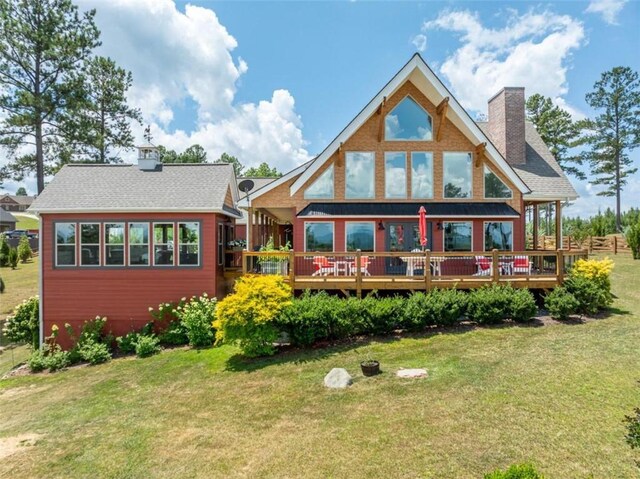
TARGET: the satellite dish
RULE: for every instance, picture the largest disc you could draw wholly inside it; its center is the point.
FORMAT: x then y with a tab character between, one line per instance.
246	186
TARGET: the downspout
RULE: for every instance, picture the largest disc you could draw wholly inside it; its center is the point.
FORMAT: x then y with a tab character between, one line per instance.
40	282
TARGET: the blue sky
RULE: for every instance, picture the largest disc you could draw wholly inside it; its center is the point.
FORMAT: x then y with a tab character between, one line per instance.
276	81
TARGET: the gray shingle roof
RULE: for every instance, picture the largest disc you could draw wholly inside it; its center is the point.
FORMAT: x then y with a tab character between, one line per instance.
6	217
175	187
541	172
21	200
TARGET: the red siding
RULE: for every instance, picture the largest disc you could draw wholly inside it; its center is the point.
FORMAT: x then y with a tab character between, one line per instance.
124	294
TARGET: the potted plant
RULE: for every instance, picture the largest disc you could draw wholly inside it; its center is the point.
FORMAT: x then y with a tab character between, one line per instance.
276	264
369	366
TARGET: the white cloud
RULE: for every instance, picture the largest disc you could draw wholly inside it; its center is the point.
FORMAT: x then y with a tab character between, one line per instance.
420	42
609	9
532	50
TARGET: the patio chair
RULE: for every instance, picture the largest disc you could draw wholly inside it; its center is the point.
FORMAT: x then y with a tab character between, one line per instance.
521	264
323	266
484	266
364	266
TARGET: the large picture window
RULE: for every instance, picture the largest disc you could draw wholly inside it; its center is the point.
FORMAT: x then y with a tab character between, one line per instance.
421	175
114	244
318	236
494	187
139	244
360	175
457	176
163	244
65	244
498	235
395	175
408	121
90	244
457	236
189	243
360	236
322	188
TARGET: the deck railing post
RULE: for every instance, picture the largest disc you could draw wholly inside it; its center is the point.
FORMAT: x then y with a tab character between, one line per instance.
244	262
495	266
292	277
615	245
427	270
359	273
560	266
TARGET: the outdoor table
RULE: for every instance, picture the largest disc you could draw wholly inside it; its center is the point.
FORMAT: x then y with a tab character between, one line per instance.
342	266
506	268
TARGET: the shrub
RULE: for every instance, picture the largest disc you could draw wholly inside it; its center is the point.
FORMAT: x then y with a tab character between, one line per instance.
147	346
13	258
175	334
5	250
590	298
94	352
23	324
37	361
383	315
247	316
24	249
517	471
127	343
589	281
58	359
197	317
488	305
560	303
632	235
167	323
522	304
633	429
310	318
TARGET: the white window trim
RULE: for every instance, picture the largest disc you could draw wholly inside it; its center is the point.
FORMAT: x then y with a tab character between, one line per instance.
220	242
105	244
129	244
484	229
346	223
98	244
470	197
413	197
373	196
333	189
333	230
484	186
75	244
404	139
406	176
153	237
179	243
444	229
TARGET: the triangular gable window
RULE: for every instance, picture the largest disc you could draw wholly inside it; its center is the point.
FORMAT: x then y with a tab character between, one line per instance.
494	187
322	188
408	121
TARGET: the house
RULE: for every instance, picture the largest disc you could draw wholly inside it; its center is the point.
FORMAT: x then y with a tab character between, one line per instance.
118	239
15	202
7	221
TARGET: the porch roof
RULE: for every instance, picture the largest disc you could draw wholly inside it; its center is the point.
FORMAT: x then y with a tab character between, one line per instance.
404	209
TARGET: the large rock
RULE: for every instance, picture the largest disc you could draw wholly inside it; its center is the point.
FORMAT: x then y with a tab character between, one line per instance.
338	378
412	373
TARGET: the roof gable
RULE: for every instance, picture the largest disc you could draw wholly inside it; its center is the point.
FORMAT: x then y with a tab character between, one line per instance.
419	73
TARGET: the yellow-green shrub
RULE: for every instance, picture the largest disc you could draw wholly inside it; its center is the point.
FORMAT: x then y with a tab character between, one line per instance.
596	269
589	281
247	316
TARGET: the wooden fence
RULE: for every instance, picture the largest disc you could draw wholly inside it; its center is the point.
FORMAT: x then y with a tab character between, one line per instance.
615	244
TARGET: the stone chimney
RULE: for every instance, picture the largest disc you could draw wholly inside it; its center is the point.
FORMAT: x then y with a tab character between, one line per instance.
506	124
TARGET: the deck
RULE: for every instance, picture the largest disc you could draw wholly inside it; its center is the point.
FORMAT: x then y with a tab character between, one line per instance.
355	272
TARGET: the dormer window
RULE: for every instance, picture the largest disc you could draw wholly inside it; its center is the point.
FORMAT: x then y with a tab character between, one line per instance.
408	121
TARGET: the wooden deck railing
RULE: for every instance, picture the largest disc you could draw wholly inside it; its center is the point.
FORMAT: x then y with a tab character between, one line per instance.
358	271
615	244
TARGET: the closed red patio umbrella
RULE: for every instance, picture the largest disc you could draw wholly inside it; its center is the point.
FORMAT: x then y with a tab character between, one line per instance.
422	226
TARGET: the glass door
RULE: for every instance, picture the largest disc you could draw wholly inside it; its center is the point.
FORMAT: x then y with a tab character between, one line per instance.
403	236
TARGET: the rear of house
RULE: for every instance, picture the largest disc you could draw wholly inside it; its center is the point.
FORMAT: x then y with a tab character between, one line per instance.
118	239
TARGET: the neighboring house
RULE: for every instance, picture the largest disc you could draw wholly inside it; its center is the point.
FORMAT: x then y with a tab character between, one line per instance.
413	144
118	239
15	202
7	221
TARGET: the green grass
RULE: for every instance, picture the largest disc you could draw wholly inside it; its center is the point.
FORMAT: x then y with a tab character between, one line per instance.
26	222
553	395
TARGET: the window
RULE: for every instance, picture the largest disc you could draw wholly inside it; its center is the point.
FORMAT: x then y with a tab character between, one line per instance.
114	244
65	244
494	187
498	235
408	121
360	236
220	244
90	244
139	244
189	244
457	175
457	236
163	244
322	188
360	174
395	175
421	175
318	236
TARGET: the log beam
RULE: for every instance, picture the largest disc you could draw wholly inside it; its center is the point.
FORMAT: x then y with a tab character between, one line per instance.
480	151
441	111
381	113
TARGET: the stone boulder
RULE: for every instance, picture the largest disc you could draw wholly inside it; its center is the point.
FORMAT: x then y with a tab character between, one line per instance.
338	378
412	373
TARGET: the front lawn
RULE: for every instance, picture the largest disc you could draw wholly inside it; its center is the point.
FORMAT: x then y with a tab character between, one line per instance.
554	395
26	222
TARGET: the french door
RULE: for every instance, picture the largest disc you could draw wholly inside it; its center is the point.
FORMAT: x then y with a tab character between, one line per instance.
403	236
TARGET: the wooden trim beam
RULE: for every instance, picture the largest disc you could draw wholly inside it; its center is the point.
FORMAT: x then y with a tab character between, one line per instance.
558	225
480	152
441	111
381	113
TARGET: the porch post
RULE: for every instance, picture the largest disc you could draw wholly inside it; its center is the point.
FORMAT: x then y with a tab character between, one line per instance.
536	218
249	237
256	215
558	224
